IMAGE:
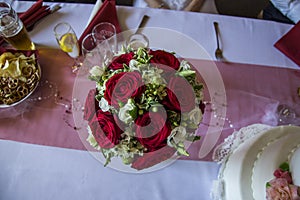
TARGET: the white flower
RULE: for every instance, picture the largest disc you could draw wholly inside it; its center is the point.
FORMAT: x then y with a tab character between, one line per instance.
128	112
97	71
153	75
103	104
195	115
185	65
134	65
178	135
177	139
91	139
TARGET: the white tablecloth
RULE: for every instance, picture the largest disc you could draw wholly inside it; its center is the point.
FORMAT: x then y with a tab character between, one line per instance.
30	172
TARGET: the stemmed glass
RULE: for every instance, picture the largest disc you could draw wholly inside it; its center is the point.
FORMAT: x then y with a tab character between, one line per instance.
105	36
106	31
68	42
90	51
287	116
136	41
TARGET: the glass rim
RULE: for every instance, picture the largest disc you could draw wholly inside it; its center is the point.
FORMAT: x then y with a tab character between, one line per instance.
85	39
6	9
60	24
104	23
4	4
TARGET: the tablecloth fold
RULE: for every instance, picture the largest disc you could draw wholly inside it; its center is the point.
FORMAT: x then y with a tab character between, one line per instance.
106	13
289	44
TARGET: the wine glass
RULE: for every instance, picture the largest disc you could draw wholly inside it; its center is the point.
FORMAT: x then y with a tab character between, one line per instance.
90	51
68	42
106	31
136	41
287	116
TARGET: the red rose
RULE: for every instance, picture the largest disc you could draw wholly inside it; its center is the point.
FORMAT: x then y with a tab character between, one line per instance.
279	188
180	95
153	158
91	106
123	86
279	173
119	61
105	130
164	58
152	130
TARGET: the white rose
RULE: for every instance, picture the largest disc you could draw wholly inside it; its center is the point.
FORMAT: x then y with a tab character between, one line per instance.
103	104
97	71
91	139
124	112
195	115
178	135
134	65
185	65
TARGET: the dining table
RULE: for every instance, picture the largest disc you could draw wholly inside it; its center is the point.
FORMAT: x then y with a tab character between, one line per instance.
43	155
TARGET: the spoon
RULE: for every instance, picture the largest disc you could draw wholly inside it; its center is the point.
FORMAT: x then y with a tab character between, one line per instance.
218	52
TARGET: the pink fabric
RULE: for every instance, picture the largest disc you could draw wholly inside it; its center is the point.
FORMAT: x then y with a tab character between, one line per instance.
44	121
251	92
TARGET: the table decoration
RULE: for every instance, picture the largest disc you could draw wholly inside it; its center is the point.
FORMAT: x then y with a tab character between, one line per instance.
146	106
281	186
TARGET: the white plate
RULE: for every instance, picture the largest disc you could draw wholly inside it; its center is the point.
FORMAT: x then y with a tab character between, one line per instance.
237	171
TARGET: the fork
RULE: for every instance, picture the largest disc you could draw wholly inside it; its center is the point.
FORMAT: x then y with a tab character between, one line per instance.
218	52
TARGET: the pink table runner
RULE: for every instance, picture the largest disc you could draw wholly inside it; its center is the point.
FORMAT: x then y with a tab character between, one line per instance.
252	95
45	121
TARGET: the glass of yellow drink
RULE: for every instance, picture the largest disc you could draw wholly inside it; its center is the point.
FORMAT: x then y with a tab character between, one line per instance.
12	29
68	42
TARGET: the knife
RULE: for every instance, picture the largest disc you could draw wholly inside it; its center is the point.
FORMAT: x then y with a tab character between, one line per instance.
50	10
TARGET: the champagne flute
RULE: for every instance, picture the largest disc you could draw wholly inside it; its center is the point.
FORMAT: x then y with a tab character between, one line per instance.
68	42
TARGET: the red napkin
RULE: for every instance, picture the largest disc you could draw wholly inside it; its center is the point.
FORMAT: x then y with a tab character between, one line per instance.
107	13
36	12
289	44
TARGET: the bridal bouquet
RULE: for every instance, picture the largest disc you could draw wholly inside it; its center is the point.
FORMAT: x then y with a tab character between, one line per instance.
146	106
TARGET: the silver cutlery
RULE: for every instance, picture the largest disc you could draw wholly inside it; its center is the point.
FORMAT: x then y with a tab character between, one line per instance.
142	23
218	52
52	9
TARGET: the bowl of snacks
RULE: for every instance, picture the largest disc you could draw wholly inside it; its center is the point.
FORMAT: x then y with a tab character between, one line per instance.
20	74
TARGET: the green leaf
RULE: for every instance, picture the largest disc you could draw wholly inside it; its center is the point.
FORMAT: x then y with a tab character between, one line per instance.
285	166
182	151
193	138
268	185
186	73
197	137
133	113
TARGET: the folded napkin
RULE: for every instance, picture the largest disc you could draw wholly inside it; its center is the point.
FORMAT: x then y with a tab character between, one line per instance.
289	44
35	13
106	13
